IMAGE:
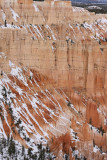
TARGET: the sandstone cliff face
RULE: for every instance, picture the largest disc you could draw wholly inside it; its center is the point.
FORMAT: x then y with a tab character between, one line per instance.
51	37
63	92
32	107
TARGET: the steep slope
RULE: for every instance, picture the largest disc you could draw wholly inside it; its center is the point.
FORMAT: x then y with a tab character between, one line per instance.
34	111
53	82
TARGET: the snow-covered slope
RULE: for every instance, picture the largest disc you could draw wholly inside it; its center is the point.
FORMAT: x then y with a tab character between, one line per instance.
33	111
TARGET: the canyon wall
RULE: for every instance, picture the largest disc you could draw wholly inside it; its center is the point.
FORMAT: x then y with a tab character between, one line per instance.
53	65
67	44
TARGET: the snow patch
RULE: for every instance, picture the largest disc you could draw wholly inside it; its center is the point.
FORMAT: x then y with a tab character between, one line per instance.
36	8
9	26
3	15
17	72
94	7
2	55
95	149
15	15
74	135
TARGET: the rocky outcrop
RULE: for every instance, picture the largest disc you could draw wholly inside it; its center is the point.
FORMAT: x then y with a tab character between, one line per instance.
58	89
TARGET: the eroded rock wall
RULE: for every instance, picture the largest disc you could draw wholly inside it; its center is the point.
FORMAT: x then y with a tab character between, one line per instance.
65	100
78	63
65	43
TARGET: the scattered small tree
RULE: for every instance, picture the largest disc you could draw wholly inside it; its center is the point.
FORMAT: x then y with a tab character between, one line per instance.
93	143
5	23
68	103
101	130
90	121
11	149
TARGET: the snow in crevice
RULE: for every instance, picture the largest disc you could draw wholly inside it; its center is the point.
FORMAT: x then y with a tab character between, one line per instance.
2	129
3	15
10	26
54	99
2	55
75	152
31	32
34	28
24	106
15	15
36	8
37	31
72	106
24	26
53	36
17	72
103	21
95	149
74	135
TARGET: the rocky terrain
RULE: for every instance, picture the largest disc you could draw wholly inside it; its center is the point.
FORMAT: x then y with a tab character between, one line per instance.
53	81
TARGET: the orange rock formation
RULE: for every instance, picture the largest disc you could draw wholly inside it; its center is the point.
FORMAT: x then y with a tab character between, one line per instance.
59	88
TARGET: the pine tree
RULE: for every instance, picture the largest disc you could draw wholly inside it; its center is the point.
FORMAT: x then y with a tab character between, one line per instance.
5	23
23	150
30	152
11	149
4	93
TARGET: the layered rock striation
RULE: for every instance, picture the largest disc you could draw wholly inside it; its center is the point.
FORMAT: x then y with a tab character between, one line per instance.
53	64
